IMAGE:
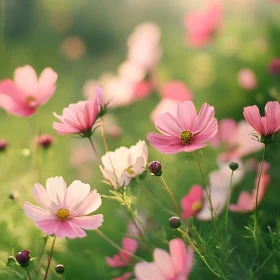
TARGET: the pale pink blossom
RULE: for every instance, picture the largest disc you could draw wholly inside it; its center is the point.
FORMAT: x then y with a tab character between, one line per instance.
185	132
125	256
22	96
247	79
192	202
78	118
66	210
124	164
201	26
247	202
268	125
220	184
175	265
236	139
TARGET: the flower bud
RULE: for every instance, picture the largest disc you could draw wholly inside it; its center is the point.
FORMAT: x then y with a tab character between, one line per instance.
59	269
233	165
23	258
174	222
44	141
3	145
155	168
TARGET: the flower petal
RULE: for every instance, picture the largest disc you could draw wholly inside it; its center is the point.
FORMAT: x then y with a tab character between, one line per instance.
178	255
168	125
56	189
26	79
148	271
87	222
67	229
36	213
164	262
186	115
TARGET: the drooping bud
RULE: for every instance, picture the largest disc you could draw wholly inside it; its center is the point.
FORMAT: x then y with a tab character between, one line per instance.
155	168
174	222
44	141
59	269
233	166
3	145
23	258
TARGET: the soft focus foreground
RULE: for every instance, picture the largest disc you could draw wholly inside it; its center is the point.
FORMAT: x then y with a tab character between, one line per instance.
190	187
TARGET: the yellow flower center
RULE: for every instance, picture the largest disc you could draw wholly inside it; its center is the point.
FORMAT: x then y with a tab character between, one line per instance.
197	206
186	137
129	170
62	214
31	100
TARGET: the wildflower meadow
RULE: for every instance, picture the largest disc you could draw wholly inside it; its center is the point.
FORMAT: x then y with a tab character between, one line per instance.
139	139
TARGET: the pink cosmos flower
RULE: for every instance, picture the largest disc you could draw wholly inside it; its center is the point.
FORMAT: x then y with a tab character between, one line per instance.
123	258
247	202
66	209
274	66
235	138
174	266
201	26
247	79
185	132
124	164
268	125
192	202
22	96
78	118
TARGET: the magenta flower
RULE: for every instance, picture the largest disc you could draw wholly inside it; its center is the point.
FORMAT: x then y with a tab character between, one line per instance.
185	132
66	208
268	125
192	202
123	258
174	266
22	96
247	202
201	26
78	118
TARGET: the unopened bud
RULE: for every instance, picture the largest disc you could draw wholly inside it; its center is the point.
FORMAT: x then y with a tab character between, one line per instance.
59	269
44	141
233	166
274	67
23	258
174	222
155	168
3	145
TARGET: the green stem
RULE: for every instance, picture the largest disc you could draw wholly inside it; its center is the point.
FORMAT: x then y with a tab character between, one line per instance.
105	237
49	259
42	253
228	201
29	277
198	252
256	235
208	193
94	150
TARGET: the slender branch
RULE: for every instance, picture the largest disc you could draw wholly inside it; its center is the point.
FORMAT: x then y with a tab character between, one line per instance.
94	150
208	193
228	201
28	274
100	233
49	259
256	203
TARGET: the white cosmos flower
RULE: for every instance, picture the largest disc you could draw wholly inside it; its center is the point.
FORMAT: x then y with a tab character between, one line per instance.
124	164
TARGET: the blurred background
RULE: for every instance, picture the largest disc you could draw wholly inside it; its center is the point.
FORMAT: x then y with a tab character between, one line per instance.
89	42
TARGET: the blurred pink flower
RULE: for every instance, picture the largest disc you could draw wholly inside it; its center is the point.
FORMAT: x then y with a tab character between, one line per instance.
192	202
66	208
247	79
3	145
78	118
174	266
44	140
274	66
22	96
187	131
235	138
247	202
268	125
125	276
123	259
172	93
128	163
72	48
220	183
201	26
142	90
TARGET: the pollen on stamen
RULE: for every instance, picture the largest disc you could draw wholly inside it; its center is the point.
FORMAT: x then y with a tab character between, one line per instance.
62	214
186	137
